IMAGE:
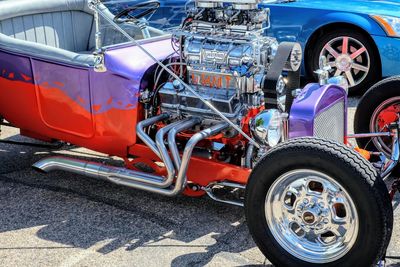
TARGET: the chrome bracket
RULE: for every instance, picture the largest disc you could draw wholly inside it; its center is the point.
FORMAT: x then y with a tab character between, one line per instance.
323	71
394	158
209	189
99	62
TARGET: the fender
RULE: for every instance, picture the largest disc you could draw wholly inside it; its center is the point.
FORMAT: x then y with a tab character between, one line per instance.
311	20
359	20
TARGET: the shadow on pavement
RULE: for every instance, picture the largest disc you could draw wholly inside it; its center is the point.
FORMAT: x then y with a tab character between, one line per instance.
78	212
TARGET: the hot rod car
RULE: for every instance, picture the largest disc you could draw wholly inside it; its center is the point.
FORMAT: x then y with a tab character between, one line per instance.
212	109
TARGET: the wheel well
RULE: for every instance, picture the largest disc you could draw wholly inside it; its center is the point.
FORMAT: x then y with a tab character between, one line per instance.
330	28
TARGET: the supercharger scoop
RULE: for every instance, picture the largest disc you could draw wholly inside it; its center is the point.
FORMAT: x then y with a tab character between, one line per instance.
226	58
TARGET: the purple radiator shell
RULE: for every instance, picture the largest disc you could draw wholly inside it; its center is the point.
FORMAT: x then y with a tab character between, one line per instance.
313	100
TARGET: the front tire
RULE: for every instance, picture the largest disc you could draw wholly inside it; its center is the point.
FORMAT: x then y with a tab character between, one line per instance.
377	108
312	202
351	54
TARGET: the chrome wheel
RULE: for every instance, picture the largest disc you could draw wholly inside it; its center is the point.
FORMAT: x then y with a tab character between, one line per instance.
348	57
386	113
311	216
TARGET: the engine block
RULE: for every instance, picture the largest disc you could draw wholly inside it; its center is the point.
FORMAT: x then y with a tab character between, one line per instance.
226	56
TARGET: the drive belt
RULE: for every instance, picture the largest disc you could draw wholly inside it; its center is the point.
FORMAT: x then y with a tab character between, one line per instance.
277	67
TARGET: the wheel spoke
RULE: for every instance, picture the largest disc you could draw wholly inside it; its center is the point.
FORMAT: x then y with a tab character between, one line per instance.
338	72
350	78
360	67
339	231
332	51
345	45
358	52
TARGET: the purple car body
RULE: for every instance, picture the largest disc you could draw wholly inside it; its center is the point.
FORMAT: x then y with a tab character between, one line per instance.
120	86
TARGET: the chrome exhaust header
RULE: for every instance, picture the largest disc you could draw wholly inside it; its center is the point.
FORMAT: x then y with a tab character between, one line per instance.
144	137
172	137
135	179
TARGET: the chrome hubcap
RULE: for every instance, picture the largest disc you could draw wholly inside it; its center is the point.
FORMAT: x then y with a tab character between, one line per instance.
344	63
311	216
381	143
348	57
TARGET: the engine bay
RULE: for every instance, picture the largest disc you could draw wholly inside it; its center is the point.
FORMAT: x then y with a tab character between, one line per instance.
222	53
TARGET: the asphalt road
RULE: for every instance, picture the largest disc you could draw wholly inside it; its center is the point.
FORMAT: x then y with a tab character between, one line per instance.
62	219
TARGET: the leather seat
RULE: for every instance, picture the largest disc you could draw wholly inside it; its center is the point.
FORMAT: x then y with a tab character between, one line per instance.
51	29
62	30
68	30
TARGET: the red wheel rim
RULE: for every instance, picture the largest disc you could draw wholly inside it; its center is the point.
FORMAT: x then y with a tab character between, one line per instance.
386	113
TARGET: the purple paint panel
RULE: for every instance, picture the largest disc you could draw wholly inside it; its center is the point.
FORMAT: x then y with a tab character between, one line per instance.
15	67
64	90
73	81
119	86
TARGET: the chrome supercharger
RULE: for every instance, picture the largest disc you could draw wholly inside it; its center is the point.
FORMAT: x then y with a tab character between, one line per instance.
227	58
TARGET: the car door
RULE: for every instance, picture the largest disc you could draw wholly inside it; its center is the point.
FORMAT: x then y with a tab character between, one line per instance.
63	97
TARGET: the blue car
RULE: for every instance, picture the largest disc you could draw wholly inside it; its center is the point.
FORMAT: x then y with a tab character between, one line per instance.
360	38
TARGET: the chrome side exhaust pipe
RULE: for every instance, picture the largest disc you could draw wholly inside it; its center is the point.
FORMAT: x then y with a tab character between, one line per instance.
130	178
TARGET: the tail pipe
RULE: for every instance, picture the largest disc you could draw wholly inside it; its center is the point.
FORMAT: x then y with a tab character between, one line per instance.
130	178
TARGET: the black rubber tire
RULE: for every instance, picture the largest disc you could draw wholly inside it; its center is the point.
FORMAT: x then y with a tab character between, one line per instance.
377	94
352	171
375	69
